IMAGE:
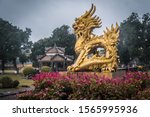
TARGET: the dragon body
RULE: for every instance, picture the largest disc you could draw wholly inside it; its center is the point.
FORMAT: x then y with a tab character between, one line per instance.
87	44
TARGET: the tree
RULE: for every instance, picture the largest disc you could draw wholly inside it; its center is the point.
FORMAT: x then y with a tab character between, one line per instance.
37	50
144	39
128	36
135	39
64	38
23	58
12	38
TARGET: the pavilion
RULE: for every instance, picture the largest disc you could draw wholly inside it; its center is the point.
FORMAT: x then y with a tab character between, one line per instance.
55	58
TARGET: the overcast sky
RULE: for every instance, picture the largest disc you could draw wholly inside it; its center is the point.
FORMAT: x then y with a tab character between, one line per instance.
43	16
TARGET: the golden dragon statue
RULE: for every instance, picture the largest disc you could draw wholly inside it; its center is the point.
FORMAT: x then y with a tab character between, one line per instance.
88	44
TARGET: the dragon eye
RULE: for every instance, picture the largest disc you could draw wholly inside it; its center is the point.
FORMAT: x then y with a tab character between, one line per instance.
75	28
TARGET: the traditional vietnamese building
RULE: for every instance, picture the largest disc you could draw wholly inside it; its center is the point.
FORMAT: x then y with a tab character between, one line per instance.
55	58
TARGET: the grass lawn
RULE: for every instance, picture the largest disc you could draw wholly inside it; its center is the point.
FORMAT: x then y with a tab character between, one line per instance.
23	82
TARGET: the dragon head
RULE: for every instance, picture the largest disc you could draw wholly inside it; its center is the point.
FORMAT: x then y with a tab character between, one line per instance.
84	25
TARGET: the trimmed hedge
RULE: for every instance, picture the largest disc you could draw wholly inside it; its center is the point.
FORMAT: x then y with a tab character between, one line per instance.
15	83
46	69
29	71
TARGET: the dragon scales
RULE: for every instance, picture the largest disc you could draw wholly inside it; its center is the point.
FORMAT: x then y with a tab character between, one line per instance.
88	44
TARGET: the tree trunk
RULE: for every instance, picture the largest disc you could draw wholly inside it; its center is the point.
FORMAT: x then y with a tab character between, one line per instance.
3	66
15	65
23	64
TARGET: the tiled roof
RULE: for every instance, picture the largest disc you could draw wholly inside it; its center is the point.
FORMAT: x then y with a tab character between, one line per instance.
58	58
45	58
55	50
55	58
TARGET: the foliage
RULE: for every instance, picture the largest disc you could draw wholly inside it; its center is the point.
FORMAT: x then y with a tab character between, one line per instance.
29	71
12	40
15	83
23	58
143	95
135	39
37	50
63	38
46	69
7	82
84	86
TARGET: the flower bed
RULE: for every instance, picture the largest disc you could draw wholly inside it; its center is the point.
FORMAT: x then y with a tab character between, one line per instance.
134	85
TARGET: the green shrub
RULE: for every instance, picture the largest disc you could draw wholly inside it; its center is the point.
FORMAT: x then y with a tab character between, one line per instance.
6	82
143	95
29	71
145	83
46	69
0	85
15	83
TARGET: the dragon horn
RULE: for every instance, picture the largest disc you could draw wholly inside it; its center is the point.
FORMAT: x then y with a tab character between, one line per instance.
112	27
108	31
117	25
93	10
87	13
117	28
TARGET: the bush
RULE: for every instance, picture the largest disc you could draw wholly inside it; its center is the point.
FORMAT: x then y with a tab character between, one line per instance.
46	69
7	82
143	95
0	85
15	83
28	71
91	87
